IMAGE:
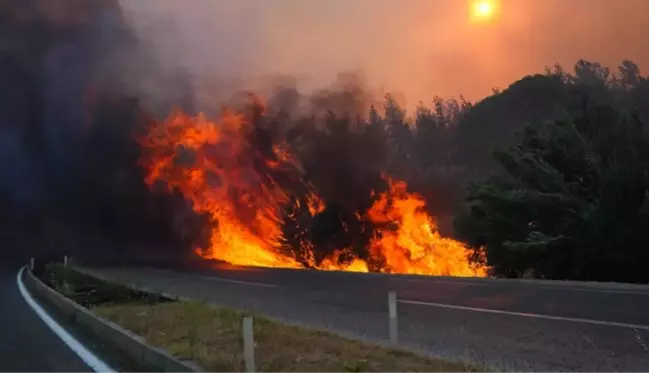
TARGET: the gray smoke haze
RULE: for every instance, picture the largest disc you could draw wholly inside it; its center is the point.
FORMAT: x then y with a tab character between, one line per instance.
416	48
68	163
70	69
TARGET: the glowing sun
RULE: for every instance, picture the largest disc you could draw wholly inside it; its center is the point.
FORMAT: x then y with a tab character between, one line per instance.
483	10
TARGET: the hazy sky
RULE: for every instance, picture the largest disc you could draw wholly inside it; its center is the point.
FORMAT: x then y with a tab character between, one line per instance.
418	47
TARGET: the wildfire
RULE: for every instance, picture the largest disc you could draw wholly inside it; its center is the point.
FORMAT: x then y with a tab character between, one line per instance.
245	187
211	165
413	244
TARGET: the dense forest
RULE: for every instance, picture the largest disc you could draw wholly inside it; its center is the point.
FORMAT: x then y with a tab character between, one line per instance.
549	175
568	198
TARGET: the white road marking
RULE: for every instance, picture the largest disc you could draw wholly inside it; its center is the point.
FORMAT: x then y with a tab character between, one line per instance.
213	278
88	357
239	282
524	314
531	285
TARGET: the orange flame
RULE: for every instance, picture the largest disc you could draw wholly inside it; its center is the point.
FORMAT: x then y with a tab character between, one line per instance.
315	204
214	165
210	165
413	245
333	264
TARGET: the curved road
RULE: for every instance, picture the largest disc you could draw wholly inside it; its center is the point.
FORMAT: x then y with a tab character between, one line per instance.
505	324
27	344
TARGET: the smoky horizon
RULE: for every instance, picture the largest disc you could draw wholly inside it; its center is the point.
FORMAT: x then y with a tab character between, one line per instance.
415	50
365	135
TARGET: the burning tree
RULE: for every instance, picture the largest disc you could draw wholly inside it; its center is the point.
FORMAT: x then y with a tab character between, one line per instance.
266	207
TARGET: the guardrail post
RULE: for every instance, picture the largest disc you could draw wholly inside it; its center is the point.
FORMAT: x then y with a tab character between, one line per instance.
392	312
31	264
248	345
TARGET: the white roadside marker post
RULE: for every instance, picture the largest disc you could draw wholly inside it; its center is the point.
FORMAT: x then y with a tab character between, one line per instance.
248	345
65	260
31	264
392	312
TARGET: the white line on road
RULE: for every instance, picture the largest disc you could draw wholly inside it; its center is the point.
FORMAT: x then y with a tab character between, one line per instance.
213	278
524	314
239	282
88	357
530	285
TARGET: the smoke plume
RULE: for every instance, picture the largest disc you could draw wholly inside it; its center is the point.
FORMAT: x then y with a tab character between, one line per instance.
81	79
418	48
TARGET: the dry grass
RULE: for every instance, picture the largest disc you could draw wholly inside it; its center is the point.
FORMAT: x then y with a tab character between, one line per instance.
211	336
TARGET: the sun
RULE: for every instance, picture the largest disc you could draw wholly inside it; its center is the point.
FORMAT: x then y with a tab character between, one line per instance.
483	10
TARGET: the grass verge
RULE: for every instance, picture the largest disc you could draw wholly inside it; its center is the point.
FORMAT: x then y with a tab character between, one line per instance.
90	292
212	335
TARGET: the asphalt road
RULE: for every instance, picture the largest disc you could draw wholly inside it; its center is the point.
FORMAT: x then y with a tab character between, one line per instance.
27	344
508	325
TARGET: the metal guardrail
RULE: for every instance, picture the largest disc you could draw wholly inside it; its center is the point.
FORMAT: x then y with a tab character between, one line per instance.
110	333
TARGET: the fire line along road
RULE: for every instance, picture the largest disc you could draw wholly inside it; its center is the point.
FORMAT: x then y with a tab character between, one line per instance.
505	324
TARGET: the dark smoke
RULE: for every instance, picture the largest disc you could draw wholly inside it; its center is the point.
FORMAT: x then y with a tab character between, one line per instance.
69	178
76	82
79	86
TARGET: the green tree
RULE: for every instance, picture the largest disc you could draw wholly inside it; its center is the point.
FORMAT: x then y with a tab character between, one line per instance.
573	203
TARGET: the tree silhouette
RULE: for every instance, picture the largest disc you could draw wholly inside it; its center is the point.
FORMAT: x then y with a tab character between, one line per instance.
573	204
